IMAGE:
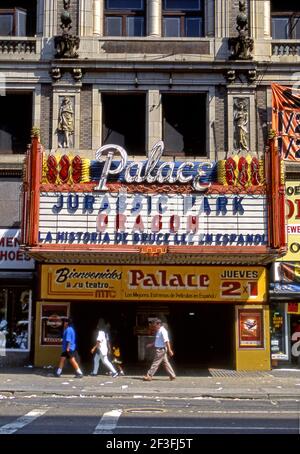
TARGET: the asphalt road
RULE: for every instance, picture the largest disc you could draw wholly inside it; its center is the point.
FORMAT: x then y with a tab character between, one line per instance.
174	416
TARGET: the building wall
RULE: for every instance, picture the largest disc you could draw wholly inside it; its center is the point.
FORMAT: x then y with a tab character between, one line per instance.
86	111
46	115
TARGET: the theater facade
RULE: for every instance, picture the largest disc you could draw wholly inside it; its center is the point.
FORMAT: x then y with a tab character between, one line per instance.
188	241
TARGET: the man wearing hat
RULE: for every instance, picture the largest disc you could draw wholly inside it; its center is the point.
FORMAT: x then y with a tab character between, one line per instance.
162	350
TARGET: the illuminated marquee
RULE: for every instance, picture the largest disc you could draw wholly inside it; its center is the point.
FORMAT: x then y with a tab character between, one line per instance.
161	219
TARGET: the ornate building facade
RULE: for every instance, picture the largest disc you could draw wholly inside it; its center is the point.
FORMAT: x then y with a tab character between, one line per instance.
195	74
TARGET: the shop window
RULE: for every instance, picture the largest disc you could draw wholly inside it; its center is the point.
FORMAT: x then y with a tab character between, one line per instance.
183	18
285	17
124	17
15	123
15	312
124	118
279	332
184	124
17	18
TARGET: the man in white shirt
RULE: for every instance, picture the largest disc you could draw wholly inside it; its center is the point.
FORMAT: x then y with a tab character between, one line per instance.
100	351
162	350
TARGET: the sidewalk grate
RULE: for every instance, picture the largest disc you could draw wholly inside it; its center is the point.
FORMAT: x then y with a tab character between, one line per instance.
237	374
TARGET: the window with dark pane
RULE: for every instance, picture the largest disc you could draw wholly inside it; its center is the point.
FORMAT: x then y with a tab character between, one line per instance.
285	18
124	119
18	17
183	18
15	122
124	17
184	124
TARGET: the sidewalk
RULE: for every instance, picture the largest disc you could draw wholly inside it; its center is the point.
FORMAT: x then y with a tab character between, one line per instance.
214	383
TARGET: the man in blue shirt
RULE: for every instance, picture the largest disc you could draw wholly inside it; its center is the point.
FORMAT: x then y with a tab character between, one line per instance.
69	349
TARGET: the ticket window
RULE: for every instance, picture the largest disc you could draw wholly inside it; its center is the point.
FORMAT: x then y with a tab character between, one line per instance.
279	333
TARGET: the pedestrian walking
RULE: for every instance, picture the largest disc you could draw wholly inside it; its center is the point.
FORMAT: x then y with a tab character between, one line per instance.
100	350
162	350
117	359
69	349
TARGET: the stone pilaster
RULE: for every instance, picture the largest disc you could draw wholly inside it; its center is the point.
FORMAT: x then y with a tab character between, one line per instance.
85	17
222	18
98	13
48	18
153	15
153	118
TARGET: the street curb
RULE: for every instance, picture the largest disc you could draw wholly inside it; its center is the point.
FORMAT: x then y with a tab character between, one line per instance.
115	393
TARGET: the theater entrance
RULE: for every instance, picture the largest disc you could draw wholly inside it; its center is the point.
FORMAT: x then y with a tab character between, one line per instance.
202	334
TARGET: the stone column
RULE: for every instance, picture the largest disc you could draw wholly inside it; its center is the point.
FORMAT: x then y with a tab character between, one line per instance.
209	15
153	15
39	17
98	16
257	18
37	106
96	118
222	18
85	17
267	19
153	118
49	18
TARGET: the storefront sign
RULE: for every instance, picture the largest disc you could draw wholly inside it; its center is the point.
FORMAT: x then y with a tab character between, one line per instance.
293	216
153	219
293	308
150	171
158	283
52	320
11	257
250	328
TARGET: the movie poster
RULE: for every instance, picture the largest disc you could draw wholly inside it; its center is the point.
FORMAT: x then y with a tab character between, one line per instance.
53	317
251	328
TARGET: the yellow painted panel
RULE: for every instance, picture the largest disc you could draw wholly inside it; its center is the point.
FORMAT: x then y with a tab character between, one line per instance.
44	355
252	357
161	283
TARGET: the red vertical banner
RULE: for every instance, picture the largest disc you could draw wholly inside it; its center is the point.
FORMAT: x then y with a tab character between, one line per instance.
286	121
282	145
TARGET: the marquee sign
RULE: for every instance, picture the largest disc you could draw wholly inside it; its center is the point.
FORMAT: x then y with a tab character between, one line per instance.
105	210
153	219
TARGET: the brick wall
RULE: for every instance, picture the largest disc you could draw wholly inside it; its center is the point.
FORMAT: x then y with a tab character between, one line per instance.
46	115
262	126
221	119
74	16
85	141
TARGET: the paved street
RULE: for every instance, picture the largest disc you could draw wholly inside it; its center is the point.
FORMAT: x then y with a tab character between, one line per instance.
33	401
157	416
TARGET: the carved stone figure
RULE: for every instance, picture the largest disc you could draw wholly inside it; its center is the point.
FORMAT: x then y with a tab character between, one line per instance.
240	122
66	44
241	46
65	126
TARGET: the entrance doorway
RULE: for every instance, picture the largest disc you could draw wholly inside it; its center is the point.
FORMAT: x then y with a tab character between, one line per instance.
121	318
203	334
